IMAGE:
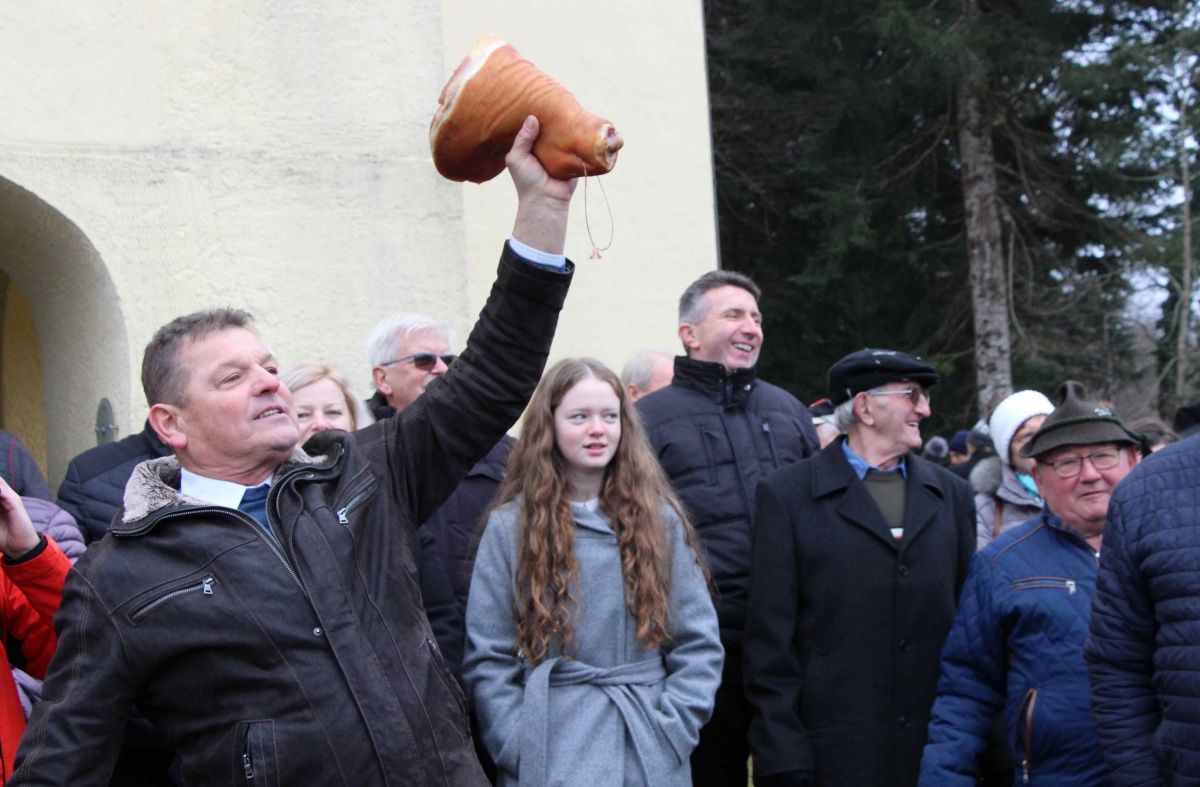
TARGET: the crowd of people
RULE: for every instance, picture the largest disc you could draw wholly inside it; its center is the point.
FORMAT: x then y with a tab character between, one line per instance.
672	575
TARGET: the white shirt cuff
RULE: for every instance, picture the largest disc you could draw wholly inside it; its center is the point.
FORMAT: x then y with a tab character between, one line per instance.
558	261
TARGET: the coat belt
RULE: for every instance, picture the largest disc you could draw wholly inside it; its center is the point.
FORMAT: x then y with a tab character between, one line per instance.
615	683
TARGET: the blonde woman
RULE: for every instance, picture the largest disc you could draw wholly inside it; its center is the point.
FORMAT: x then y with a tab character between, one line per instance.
322	399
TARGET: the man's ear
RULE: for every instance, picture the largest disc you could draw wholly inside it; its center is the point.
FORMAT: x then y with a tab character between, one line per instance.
633	392
1036	473
379	375
1135	456
862	408
687	335
166	421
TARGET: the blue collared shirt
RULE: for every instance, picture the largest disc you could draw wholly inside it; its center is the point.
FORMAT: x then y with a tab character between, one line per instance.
861	467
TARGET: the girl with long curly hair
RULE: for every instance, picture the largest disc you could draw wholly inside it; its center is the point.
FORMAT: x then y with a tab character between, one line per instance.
593	655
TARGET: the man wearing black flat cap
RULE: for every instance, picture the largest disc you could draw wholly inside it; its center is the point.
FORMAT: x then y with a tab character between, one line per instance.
859	554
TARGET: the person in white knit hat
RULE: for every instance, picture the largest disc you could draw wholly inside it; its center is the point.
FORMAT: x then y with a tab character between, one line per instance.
1005	494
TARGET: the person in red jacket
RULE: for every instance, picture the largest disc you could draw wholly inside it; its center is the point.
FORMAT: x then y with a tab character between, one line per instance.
32	573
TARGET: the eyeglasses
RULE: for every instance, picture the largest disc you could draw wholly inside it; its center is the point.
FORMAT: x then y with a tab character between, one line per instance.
914	394
1073	465
424	361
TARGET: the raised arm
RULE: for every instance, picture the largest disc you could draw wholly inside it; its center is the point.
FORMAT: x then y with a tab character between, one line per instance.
542	201
433	443
35	569
17	534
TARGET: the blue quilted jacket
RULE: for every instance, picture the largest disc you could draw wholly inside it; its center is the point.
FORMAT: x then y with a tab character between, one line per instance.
1144	653
1017	644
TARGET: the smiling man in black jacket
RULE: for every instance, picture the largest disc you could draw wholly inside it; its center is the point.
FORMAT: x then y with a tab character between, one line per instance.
718	430
260	603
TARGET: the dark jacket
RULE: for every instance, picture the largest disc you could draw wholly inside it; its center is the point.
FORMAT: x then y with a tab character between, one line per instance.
20	469
457	525
1017	645
717	435
449	540
95	482
1144	649
847	623
302	657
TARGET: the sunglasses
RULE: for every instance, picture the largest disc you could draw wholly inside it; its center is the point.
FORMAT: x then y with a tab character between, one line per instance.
424	361
914	394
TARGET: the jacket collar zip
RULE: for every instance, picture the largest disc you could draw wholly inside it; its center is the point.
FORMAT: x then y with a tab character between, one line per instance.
711	379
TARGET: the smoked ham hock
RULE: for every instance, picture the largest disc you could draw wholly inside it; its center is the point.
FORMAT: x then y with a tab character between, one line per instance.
484	104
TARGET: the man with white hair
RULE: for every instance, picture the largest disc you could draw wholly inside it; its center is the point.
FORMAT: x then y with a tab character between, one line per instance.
859	554
646	372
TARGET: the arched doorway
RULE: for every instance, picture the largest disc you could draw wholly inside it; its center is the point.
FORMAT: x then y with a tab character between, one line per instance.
63	344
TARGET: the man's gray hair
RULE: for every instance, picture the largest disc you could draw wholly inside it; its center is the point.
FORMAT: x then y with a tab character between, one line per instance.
640	368
164	379
391	335
844	416
692	303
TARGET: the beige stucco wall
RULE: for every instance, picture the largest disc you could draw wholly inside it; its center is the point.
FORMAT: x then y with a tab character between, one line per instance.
642	66
159	158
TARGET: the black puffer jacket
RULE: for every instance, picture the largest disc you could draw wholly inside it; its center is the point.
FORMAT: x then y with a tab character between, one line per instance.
449	540
303	657
95	482
1144	650
717	435
457	524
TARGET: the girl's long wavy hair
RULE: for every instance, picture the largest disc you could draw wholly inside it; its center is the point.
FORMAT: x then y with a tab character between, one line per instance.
632	494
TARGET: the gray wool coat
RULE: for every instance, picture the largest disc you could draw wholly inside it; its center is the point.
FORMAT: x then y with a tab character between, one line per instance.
616	714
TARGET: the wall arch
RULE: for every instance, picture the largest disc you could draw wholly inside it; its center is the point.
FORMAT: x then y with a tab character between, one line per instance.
81	330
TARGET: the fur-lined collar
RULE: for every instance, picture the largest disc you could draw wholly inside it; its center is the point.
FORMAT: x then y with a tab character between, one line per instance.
154	485
993	479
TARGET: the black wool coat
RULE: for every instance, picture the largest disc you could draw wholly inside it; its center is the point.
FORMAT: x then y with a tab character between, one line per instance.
846	623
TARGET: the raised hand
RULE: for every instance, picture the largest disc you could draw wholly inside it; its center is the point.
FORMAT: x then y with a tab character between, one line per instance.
17	534
543	202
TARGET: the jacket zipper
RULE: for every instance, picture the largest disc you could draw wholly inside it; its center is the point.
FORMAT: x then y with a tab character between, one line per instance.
247	759
1054	583
343	513
205	586
1027	704
267	538
766	427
